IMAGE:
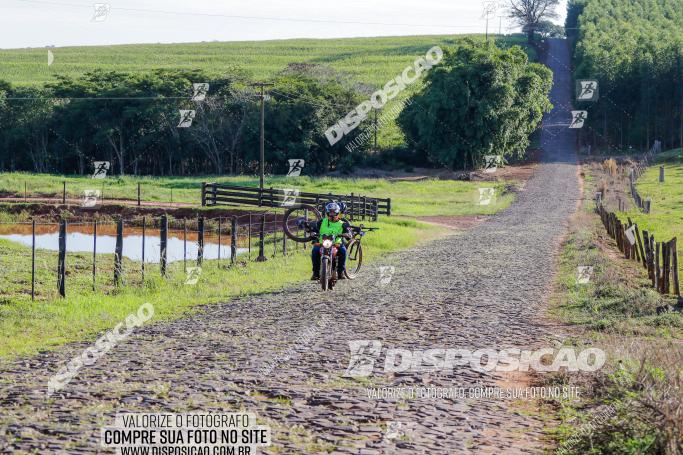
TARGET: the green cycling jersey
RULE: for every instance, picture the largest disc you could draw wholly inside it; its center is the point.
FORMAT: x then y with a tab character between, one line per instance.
335	228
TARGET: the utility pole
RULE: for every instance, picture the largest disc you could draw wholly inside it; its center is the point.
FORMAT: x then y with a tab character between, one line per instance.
262	147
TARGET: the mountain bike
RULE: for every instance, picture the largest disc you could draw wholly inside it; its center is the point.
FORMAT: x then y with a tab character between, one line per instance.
300	224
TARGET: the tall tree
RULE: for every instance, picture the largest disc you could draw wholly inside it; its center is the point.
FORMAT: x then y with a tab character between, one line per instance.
479	101
530	13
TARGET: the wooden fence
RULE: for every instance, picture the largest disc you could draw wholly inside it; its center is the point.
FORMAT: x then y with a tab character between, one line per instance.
637	171
659	258
359	207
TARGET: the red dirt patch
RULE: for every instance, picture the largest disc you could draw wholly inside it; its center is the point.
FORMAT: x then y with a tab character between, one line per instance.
455	222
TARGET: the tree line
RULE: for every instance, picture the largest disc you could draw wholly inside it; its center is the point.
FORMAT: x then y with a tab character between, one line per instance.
480	100
132	121
634	50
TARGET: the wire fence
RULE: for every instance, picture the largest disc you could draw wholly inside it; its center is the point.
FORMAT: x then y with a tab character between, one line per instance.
108	255
659	258
102	191
637	171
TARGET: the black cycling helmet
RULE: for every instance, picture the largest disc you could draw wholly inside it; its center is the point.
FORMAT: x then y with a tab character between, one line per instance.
332	208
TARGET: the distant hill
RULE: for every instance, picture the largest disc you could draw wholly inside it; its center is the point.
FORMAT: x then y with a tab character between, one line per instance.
370	60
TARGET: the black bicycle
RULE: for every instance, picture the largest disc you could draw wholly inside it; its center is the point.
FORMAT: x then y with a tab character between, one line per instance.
300	224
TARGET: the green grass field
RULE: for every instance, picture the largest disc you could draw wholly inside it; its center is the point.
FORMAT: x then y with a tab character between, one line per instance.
26	326
666	218
423	198
369	60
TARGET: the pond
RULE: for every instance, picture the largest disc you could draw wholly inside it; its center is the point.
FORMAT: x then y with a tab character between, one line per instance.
79	239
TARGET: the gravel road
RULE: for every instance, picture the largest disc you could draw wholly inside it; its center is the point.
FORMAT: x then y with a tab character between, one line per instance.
482	288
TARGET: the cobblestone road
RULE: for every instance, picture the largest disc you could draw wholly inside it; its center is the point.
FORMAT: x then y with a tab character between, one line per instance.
483	288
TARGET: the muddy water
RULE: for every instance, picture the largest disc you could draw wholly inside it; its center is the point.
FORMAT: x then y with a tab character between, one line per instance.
80	240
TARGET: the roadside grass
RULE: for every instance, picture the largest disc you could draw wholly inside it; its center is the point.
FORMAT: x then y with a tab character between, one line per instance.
28	327
421	198
638	389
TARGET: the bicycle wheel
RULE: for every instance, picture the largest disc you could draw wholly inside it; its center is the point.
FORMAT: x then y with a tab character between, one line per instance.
354	259
295	217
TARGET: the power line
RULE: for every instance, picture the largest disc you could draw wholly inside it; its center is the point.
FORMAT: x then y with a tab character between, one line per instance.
260	18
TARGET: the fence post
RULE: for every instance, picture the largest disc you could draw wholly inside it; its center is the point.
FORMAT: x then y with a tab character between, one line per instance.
94	254
364	211
284	243
144	228
233	240
275	237
646	245
33	259
674	247
648	203
118	250
658	276
375	208
184	245
219	242
388	206
249	236
661	174
640	246
652	260
163	243
200	240
64	192
25	193
138	194
61	261
261	256
665	268
352	206
203	194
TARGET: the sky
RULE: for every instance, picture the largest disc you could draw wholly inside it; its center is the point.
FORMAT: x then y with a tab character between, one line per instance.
39	23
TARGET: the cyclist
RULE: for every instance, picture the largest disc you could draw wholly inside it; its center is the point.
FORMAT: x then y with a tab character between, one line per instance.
332	224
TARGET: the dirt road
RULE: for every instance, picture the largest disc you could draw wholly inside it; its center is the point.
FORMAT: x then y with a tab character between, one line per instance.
483	288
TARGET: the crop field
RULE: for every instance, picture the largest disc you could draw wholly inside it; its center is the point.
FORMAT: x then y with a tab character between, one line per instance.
369	60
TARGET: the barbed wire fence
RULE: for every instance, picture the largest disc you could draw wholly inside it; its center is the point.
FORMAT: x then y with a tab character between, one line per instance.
140	248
